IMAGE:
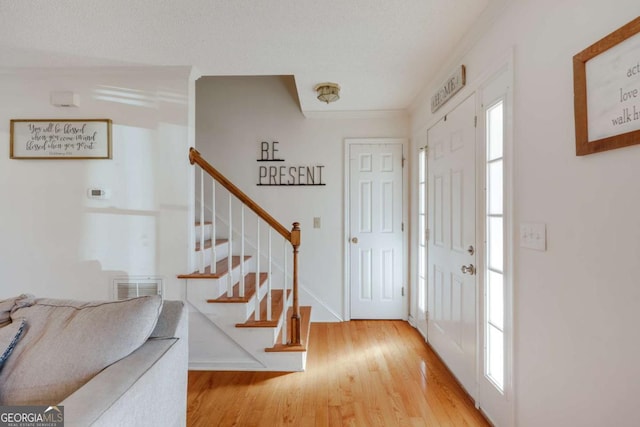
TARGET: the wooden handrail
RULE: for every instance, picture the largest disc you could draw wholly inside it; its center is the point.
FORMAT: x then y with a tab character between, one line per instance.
195	157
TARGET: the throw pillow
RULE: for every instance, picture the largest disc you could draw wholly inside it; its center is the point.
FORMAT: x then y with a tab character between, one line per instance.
9	337
69	342
6	306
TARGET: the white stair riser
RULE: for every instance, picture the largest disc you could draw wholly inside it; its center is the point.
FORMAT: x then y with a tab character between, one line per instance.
254	340
208	231
232	313
207	257
222	251
237	272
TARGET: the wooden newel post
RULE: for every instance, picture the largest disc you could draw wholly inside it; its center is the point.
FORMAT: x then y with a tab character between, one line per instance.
295	317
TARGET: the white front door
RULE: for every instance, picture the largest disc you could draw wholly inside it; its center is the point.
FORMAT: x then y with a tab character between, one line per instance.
375	231
452	242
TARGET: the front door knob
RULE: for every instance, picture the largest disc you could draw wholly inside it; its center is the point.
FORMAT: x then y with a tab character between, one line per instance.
468	269
354	240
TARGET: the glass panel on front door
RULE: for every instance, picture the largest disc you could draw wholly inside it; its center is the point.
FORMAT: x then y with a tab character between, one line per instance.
422	231
494	266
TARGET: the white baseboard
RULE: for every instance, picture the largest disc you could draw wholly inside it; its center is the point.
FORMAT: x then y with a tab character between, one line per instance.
224	365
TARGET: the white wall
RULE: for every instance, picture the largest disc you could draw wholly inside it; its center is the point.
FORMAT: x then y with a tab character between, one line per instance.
234	114
577	304
56	242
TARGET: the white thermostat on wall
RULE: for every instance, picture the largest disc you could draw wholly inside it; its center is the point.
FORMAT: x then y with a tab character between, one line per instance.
98	193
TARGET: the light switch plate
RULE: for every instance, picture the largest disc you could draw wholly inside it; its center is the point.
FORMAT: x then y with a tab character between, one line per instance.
316	222
98	193
533	236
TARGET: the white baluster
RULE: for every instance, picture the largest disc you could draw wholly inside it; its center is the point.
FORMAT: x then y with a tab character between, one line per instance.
229	258
269	314
202	261
284	295
257	315
214	256
242	271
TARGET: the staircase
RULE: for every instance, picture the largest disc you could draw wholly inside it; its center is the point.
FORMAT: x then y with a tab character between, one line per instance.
242	283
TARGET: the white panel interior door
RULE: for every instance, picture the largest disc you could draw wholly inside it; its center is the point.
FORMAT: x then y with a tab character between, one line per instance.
452	242
375	230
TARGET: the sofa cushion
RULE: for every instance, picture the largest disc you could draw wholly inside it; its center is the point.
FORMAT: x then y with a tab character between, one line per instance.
9	336
68	342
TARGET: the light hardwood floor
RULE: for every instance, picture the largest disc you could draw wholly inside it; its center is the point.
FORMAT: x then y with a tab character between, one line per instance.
359	373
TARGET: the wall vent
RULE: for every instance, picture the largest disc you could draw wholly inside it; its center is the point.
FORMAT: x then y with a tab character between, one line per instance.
132	287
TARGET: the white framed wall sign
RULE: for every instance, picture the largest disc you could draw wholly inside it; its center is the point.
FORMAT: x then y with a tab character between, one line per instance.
60	139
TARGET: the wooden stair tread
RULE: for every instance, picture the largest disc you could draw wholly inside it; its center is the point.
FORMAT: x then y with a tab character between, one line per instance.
305	328
249	290
207	243
276	312
197	223
221	269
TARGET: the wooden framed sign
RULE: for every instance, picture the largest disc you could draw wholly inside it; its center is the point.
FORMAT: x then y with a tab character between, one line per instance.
606	84
60	139
450	87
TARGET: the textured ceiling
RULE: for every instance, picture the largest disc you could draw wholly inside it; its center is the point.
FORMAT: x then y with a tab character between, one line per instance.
380	51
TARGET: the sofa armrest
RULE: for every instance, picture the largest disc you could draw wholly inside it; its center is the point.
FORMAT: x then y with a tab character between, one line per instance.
172	322
146	388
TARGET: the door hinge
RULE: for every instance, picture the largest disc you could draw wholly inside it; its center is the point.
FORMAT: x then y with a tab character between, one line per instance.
426	315
475	121
403	159
402	226
426	234
403	291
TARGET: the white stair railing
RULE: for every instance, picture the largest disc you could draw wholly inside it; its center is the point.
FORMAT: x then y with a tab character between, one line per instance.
257	281
243	273
214	255
269	310
289	238
229	256
284	291
201	221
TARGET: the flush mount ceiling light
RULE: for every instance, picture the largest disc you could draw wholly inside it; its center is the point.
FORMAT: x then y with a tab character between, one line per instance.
328	92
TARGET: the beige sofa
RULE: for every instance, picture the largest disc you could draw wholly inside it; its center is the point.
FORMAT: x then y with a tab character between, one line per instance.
64	342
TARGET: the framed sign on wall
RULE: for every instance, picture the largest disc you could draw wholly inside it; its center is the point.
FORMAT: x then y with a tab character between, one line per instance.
606	80
60	139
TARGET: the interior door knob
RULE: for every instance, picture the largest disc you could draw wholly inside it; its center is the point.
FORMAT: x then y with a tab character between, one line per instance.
468	269
354	240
